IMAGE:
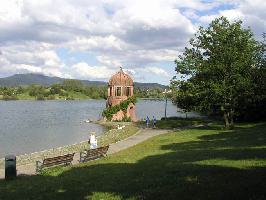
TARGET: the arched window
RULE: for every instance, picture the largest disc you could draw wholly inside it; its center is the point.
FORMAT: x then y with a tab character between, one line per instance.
128	91
118	91
111	89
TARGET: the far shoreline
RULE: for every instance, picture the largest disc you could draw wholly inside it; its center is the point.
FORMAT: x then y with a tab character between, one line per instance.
11	100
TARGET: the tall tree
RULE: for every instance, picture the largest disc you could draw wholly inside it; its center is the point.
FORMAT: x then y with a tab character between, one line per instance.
218	68
73	85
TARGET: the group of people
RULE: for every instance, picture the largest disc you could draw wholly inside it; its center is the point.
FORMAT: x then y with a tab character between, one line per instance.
154	121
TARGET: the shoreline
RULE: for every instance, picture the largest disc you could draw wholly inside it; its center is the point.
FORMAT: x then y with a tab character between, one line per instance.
82	99
27	158
50	99
112	135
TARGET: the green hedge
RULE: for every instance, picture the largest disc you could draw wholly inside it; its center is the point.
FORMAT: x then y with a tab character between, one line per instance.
110	111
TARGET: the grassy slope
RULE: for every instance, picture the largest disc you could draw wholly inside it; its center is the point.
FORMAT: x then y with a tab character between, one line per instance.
78	95
25	96
115	135
203	163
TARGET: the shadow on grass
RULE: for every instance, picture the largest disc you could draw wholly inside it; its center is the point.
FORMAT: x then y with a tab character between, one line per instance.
176	174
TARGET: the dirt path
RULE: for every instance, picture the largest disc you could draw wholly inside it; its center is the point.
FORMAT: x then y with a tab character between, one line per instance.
139	137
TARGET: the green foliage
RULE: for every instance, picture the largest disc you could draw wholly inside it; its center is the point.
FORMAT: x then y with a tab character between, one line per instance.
217	71
114	135
124	119
10	97
72	85
177	122
149	92
37	90
70	98
51	97
20	90
110	111
56	89
70	90
40	97
8	93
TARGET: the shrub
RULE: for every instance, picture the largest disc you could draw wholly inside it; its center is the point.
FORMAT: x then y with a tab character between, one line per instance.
10	97
110	111
40	97
51	97
126	119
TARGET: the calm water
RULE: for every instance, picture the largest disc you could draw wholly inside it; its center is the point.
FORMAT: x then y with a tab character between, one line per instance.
29	126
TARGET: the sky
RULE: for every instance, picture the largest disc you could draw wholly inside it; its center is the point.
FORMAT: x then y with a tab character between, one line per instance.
91	39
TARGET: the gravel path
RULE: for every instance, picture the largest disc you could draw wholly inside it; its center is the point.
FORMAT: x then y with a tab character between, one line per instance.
140	136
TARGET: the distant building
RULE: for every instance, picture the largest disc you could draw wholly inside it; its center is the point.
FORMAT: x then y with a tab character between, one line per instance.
120	87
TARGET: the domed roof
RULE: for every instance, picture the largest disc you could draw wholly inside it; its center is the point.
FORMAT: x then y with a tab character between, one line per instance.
121	78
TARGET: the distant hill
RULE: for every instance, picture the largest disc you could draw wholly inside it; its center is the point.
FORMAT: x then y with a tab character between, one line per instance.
28	79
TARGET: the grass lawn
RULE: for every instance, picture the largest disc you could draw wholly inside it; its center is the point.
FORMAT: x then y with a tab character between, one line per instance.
176	122
201	163
115	135
25	96
78	95
72	94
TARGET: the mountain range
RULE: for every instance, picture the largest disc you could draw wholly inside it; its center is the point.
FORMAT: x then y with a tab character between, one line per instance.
40	79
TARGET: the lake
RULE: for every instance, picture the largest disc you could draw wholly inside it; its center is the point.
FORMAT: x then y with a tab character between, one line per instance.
30	126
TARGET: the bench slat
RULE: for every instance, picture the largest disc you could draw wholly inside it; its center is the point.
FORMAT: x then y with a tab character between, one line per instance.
59	157
93	154
58	160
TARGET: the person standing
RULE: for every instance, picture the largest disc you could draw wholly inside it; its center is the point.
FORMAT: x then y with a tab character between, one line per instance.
147	122
93	141
154	122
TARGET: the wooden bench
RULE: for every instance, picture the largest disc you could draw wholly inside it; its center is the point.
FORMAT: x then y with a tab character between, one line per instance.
54	161
92	154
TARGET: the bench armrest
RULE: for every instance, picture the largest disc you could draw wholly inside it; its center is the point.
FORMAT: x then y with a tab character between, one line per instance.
82	154
38	163
38	166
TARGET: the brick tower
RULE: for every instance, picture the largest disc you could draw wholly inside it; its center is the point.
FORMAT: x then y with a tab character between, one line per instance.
120	87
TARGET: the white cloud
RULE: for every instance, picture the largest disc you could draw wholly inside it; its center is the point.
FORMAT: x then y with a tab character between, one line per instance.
156	70
137	34
31	58
83	70
95	43
108	61
251	12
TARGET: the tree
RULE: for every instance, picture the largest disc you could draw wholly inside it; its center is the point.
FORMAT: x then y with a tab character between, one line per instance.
184	97
55	89
253	104
38	91
72	85
218	68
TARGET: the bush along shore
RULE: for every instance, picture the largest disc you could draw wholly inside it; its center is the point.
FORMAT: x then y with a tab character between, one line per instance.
110	111
111	136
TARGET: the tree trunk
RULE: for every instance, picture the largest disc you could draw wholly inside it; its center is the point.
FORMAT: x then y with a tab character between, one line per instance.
231	119
226	119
